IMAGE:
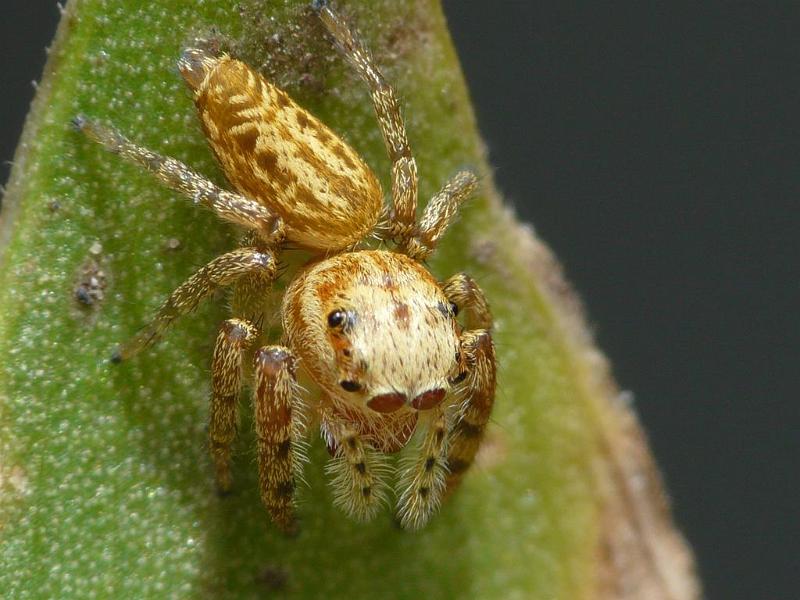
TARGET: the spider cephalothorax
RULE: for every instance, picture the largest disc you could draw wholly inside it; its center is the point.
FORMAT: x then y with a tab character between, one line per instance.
373	330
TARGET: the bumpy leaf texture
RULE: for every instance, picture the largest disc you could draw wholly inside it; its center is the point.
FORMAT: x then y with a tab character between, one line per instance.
106	486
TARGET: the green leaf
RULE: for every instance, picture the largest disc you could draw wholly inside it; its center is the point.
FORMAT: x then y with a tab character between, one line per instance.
106	488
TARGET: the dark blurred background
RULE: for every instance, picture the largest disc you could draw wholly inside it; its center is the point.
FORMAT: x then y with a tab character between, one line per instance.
656	148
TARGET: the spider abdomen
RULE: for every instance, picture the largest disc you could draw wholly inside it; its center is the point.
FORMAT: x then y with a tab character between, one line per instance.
277	153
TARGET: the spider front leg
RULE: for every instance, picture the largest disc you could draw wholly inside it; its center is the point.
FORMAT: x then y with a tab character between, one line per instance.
278	429
479	378
174	174
479	388
422	482
356	472
387	110
221	271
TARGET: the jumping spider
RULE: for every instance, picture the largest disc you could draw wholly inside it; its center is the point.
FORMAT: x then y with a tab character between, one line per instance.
372	329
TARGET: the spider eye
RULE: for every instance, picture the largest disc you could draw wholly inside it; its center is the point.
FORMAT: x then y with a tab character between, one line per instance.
337	318
428	399
387	403
454	309
459	378
350	386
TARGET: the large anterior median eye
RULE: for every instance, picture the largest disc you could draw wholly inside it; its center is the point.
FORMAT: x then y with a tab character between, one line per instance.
387	403
428	399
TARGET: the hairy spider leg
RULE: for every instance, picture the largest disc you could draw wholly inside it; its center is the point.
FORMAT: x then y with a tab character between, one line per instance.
387	110
222	271
356	472
229	206
418	241
479	389
439	214
480	378
279	429
422	482
234	338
